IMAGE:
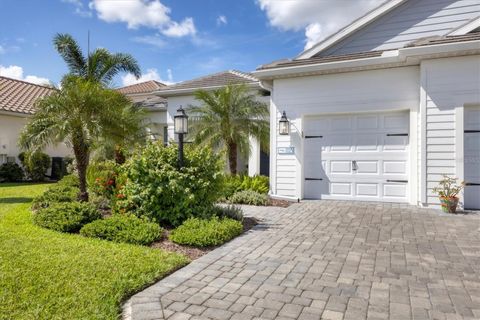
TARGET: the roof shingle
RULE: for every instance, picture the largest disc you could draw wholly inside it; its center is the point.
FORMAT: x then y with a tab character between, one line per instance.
143	87
20	96
214	80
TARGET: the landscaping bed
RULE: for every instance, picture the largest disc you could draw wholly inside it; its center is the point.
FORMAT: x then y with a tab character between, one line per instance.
195	252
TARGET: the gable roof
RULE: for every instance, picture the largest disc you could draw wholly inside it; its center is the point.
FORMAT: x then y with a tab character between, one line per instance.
19	96
142	87
219	79
361	22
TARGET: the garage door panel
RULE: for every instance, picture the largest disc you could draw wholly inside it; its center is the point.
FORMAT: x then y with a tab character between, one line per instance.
395	190
395	143
365	139
367	167
367	122
367	189
340	167
395	167
341	188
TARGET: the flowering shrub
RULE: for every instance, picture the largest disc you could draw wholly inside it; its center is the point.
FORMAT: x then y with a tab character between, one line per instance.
158	190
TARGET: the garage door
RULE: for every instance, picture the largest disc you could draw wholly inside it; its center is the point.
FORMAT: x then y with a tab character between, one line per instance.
357	157
472	158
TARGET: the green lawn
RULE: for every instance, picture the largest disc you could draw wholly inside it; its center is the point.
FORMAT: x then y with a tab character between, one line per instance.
49	275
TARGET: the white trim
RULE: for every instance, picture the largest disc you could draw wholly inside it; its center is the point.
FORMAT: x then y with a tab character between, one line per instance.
291	199
393	58
459	147
423	136
413	160
466	28
16	114
351	28
273	145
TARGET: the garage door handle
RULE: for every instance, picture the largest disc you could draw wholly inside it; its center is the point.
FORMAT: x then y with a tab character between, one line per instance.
313	179
399	181
472	184
472	131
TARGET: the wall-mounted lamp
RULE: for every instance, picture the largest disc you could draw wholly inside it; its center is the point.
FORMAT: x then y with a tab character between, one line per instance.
284	125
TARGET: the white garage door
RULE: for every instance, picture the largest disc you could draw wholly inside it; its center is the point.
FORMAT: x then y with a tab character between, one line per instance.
357	157
472	158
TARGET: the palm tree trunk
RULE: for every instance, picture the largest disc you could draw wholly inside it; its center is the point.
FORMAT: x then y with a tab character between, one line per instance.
119	155
232	157
80	150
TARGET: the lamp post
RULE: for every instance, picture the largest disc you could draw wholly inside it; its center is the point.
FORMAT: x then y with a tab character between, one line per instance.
180	128
284	125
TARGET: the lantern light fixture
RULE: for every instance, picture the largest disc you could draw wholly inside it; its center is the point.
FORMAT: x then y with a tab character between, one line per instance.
284	125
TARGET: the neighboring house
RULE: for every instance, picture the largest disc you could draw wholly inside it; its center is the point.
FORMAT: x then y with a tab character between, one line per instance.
143	95
17	100
382	109
182	94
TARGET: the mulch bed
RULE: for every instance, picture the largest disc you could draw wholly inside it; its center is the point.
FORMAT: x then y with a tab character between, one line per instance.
192	252
279	203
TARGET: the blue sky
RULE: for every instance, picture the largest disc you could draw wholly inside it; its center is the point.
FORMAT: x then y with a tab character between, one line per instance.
173	40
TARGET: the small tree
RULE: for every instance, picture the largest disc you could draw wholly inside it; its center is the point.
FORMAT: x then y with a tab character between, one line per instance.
35	164
78	113
226	119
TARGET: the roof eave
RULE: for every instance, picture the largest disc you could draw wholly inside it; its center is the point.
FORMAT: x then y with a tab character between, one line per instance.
405	56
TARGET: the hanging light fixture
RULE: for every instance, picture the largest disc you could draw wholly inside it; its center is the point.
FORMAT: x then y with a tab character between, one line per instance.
284	125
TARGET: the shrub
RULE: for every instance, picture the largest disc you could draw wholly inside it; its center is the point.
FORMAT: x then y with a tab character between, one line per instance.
229	211
258	184
158	190
203	233
123	228
35	164
249	197
235	183
102	178
10	172
66	217
65	190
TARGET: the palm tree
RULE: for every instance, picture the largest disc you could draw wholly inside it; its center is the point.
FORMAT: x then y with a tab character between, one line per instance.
226	119
99	65
78	114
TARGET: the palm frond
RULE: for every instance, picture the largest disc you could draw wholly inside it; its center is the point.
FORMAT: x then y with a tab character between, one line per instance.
71	53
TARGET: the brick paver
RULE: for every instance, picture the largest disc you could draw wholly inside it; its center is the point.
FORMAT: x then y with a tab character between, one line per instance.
330	260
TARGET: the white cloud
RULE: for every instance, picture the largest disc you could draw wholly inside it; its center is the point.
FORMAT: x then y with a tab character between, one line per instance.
143	13
319	18
313	34
16	72
155	41
2	50
151	74
177	30
79	8
221	20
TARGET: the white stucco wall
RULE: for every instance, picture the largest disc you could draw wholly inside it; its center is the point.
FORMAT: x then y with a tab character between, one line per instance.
10	128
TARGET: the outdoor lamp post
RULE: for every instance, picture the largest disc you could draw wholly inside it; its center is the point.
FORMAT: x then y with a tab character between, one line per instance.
284	125
180	128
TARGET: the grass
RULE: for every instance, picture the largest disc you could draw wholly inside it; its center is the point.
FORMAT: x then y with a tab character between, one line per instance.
50	275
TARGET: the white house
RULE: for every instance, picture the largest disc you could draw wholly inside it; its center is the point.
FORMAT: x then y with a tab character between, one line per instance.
182	94
382	109
17	100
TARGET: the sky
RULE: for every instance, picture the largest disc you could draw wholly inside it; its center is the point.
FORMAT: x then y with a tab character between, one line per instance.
173	40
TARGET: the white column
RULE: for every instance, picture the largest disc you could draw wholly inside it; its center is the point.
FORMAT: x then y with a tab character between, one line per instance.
254	158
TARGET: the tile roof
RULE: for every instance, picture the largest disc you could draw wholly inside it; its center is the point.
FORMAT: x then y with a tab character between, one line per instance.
371	54
213	80
20	96
142	87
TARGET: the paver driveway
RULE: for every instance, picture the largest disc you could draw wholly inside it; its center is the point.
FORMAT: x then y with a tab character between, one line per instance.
330	260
